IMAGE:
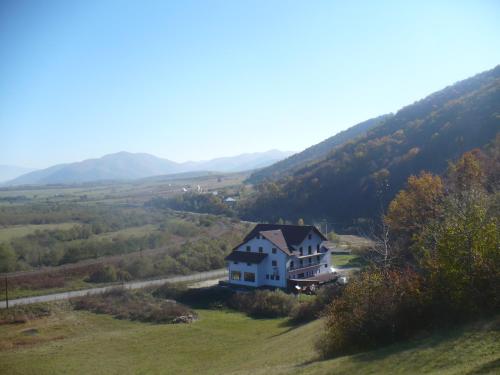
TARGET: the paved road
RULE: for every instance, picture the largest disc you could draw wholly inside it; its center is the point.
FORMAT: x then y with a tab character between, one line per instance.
130	285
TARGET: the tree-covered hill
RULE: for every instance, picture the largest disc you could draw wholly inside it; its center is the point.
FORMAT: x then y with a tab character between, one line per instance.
355	181
314	153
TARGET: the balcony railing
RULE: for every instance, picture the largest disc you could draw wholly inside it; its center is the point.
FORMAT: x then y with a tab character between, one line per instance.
305	266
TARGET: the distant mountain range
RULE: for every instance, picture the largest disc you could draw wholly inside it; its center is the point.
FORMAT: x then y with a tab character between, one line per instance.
9	172
132	166
347	180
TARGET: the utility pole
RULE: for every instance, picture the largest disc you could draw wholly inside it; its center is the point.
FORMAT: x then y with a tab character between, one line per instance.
6	293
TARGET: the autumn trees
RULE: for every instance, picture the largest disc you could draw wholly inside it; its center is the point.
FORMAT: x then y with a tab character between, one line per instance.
444	265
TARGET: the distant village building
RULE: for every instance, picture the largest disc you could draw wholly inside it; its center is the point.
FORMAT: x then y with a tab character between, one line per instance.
230	201
277	255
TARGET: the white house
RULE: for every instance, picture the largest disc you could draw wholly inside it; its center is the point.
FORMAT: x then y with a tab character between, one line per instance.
274	254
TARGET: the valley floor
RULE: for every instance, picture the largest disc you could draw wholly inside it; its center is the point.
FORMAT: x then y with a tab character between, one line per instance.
223	342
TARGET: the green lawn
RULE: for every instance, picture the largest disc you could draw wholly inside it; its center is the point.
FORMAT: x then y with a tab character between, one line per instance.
224	343
347	260
8	233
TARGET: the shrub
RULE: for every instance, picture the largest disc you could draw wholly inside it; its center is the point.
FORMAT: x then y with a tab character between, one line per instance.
264	303
378	307
205	298
312	309
24	313
103	274
140	306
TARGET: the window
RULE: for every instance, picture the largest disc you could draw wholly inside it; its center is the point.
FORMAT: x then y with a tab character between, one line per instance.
235	262
272	277
317	247
309	250
267	276
277	277
236	275
310	260
300	275
249	264
274	263
274	250
300	250
317	258
248	248
249	276
261	249
301	262
309	237
291	264
326	265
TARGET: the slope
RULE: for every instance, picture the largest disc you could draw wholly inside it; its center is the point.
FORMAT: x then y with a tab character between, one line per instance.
315	152
355	181
224	342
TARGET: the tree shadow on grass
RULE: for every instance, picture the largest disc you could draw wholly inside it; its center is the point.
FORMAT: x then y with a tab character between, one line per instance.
426	340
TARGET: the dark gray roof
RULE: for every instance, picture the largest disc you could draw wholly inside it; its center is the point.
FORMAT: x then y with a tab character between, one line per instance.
246	257
293	234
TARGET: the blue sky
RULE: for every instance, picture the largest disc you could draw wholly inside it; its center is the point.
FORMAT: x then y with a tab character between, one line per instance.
201	79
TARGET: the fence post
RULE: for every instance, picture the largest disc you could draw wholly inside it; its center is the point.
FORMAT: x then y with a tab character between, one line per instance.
6	293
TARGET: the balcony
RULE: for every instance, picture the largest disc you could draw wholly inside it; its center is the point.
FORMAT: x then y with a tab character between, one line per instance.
307	267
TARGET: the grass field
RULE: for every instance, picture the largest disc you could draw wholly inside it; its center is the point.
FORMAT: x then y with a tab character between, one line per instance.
223	342
347	260
8	233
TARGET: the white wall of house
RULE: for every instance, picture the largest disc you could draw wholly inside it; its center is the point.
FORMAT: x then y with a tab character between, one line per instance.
276	274
314	267
265	267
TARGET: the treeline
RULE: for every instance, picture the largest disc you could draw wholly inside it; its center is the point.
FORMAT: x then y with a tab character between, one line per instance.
436	262
352	183
193	202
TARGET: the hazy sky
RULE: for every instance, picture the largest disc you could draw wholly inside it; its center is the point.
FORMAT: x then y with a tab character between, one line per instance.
202	79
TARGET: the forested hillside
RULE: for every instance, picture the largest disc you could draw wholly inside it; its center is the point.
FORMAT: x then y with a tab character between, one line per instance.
357	180
314	153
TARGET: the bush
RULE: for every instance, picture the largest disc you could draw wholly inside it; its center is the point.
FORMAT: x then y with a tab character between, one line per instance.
23	313
378	307
202	298
264	303
140	306
313	309
103	274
